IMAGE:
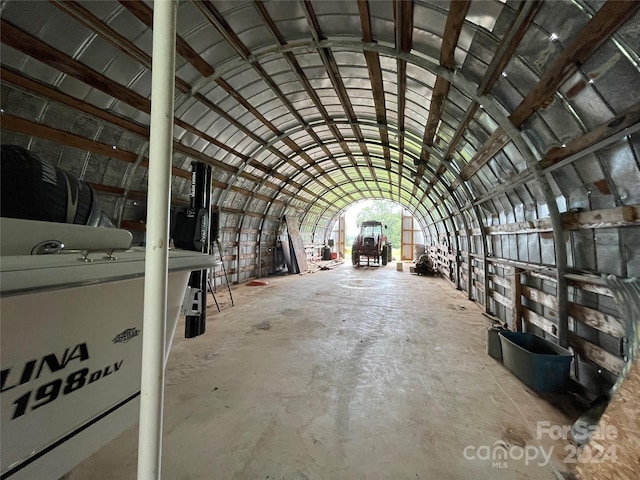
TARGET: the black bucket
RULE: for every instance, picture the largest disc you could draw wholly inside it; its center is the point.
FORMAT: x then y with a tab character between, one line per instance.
494	348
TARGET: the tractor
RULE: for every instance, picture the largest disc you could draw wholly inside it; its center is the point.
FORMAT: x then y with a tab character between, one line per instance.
371	243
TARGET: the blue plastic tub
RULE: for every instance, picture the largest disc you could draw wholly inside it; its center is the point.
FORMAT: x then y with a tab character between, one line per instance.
538	363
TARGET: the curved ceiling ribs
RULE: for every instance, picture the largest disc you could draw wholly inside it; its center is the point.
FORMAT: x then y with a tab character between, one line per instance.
515	32
144	14
331	68
225	30
295	108
308	89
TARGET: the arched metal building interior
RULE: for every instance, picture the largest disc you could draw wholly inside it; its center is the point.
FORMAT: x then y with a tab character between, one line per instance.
508	129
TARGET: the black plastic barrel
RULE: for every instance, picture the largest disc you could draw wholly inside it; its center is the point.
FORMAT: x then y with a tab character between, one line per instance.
326	253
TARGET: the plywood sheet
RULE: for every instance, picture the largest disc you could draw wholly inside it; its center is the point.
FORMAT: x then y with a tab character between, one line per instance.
295	240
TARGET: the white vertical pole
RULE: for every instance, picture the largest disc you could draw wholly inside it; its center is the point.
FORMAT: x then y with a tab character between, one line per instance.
157	251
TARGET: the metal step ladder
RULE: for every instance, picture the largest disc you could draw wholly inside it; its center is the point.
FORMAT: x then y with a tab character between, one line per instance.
212	284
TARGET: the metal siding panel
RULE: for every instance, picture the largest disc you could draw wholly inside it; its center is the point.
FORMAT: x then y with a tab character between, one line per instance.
630	239
608	253
583	248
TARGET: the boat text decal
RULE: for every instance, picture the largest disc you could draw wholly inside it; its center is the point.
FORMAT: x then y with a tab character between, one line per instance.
51	363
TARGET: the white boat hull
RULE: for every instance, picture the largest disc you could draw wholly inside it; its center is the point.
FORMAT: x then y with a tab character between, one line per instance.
71	343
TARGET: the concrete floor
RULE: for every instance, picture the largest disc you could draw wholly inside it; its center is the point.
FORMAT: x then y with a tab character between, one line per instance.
366	373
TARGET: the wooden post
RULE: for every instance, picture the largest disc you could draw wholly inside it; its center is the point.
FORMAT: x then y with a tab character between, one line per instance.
469	270
487	288
516	303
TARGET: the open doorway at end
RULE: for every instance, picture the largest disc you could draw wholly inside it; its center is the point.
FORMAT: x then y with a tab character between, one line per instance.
402	230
